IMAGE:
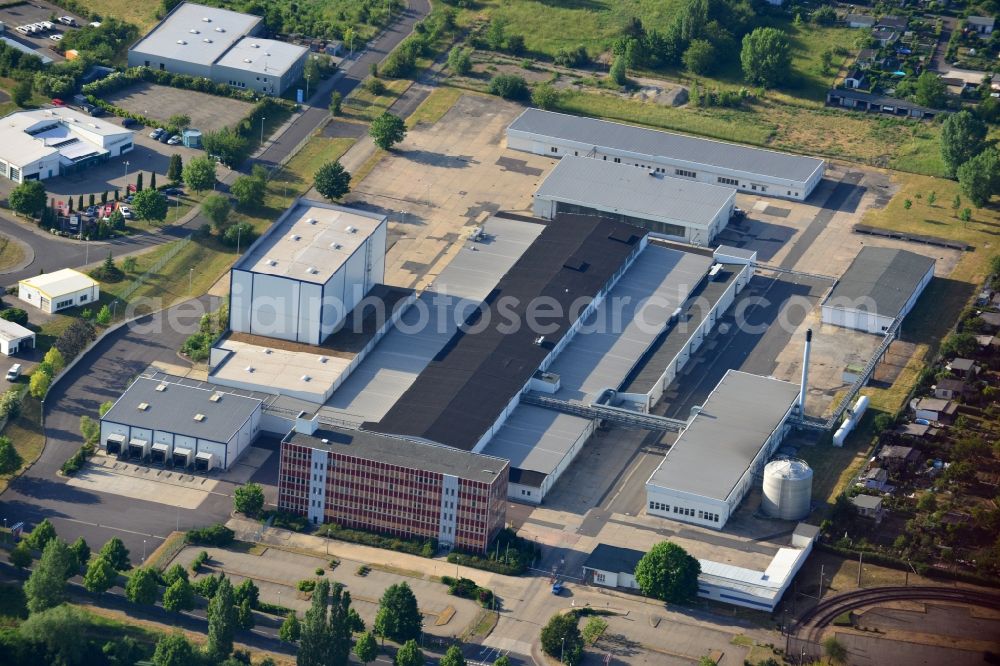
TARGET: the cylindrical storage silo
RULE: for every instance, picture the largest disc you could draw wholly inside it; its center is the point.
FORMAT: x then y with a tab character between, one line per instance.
787	489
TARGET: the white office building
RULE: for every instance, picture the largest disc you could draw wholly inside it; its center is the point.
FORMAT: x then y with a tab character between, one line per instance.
672	208
221	45
66	288
40	144
712	465
753	170
313	266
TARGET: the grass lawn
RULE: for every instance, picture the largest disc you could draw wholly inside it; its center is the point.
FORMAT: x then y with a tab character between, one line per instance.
364	106
142	14
11	253
26	434
432	109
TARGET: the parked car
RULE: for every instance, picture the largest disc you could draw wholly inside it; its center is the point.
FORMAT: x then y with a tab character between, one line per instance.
48	25
14	372
164	137
67	20
173	192
126	212
129	122
557	588
155	134
91	211
174	140
56	37
95	24
23	29
129	198
58	102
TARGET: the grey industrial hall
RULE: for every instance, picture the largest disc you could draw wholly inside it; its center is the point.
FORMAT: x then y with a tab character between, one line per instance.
221	45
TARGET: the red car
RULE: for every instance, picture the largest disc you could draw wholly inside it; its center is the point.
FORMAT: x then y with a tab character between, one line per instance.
58	102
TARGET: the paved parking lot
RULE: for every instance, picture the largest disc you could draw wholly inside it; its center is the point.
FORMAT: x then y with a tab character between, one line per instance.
276	573
36	12
208	113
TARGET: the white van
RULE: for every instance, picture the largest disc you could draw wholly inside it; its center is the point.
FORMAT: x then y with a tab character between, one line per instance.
14	372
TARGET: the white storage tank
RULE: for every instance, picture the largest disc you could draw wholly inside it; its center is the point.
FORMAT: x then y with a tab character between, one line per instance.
787	489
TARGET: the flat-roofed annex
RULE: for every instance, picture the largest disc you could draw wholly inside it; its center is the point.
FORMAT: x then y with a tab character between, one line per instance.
310	243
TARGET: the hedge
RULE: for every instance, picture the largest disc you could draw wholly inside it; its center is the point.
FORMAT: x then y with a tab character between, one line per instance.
213	535
922	568
421	547
119	80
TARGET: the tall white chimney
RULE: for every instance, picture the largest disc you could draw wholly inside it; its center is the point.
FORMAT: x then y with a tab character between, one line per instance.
805	372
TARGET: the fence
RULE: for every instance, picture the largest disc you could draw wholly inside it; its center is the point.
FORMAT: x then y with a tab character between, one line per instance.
155	268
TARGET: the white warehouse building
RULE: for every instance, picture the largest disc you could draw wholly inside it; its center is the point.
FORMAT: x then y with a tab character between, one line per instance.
40	144
313	266
221	45
672	208
754	170
714	462
880	285
174	422
66	288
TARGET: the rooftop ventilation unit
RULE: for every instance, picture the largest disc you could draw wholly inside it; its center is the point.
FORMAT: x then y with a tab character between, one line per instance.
207	40
272	262
194	31
311	220
336	246
199	417
255	46
295	237
181	42
249	368
267	350
220	29
143	406
540	340
161	387
325	440
216	397
207	20
312	271
323	359
351	229
247	60
306	378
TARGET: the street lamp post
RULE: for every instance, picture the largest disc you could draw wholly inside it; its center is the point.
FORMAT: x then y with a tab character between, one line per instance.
262	119
190	280
143	550
126	177
239	231
562	648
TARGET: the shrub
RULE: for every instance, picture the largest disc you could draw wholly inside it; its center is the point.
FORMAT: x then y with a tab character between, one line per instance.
307	585
412	546
16	315
509	86
286	521
198	561
509	554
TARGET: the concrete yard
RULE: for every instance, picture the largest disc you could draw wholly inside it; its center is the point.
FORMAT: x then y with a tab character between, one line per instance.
444	179
209	113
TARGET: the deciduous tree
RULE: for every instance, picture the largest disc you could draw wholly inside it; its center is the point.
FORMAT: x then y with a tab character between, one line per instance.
116	553
398	616
221	621
199	174
963	136
366	648
332	180
248	499
150	205
561	638
46	587
100	576
766	57
142	587
668	573
28	198
387	130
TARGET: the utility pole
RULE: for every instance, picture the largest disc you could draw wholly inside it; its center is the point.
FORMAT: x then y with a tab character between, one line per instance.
860	555
822	570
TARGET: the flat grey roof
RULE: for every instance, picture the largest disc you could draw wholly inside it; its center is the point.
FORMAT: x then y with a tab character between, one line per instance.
733	251
262	56
613	558
174	408
713	453
403	452
880	280
206	33
310	241
643	141
535	440
385	374
626	189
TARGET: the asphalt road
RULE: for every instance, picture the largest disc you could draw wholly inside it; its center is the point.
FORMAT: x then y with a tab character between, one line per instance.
53	253
102	376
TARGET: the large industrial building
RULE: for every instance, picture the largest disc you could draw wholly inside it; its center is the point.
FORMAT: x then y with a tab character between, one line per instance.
392	485
712	465
40	144
673	208
175	422
221	45
301	279
879	286
754	170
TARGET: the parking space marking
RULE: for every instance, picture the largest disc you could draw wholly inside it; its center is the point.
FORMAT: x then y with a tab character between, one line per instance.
142	489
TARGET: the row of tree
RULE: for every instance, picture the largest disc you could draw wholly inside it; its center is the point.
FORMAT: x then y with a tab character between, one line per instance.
970	157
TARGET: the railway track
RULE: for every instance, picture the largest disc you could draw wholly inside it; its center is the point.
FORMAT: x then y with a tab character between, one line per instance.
809	626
